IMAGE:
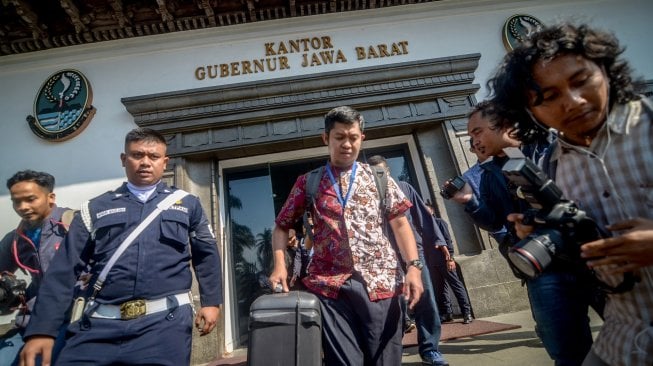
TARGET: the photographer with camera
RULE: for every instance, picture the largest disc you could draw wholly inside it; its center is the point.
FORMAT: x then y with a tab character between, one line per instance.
29	247
559	297
473	177
572	79
494	202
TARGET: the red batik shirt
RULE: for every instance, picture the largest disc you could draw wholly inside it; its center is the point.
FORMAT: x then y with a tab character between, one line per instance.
351	242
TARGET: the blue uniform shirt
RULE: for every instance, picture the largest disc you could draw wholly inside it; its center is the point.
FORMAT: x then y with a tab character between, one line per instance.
155	265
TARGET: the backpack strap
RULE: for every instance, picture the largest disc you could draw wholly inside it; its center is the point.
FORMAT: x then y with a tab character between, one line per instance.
312	185
381	181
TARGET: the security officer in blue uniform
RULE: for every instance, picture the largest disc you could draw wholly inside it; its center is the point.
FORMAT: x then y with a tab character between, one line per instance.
143	313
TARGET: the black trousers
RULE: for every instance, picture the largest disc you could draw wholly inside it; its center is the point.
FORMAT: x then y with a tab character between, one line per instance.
162	338
444	280
358	331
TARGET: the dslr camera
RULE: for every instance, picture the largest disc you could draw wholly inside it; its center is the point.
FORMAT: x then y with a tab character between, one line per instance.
561	227
12	291
451	186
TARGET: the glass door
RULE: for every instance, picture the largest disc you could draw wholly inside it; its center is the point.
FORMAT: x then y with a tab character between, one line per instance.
250	220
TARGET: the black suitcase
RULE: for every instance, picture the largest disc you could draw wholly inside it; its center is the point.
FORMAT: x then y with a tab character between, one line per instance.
285	329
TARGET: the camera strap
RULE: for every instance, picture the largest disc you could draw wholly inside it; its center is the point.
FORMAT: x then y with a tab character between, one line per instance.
627	284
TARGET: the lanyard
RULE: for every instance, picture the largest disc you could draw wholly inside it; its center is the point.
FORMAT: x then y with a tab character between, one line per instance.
34	242
342	199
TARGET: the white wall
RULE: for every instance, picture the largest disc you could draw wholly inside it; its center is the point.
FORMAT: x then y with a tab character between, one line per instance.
89	163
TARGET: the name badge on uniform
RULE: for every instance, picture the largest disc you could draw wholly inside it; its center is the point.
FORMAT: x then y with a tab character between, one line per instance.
179	208
111	211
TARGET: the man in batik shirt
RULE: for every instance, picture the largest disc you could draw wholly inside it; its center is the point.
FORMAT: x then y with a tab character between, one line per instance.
355	271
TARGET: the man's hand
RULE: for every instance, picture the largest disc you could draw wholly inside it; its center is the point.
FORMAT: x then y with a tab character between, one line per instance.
413	287
206	319
448	260
37	345
630	251
521	229
451	265
292	241
464	195
279	276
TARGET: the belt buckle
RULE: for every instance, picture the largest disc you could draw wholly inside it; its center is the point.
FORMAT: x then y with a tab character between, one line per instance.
132	309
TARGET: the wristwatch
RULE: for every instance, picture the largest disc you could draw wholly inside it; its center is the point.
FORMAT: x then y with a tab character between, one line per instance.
415	262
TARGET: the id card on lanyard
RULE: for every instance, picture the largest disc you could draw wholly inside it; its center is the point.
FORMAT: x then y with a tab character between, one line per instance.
342	199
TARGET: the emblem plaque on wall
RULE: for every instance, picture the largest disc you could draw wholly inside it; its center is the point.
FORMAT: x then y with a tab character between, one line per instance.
62	108
518	28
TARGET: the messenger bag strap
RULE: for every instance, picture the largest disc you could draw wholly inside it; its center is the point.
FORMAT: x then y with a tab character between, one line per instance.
161	206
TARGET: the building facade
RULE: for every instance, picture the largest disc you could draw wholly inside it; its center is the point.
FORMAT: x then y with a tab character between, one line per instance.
242	107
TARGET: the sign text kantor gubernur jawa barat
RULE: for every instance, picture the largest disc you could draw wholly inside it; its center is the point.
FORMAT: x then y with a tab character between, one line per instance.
313	51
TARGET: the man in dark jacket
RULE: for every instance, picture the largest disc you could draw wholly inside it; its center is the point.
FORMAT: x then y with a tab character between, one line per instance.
427	237
489	211
446	277
29	247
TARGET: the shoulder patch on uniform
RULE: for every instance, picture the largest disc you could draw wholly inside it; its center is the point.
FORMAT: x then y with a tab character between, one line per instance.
85	213
110	211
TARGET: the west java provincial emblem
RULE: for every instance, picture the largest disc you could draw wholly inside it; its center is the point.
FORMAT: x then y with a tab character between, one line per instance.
62	108
518	28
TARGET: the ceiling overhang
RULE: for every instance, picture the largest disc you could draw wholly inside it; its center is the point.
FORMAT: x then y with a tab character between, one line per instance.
240	119
35	25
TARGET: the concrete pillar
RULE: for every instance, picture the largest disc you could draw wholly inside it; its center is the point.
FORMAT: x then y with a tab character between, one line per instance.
196	177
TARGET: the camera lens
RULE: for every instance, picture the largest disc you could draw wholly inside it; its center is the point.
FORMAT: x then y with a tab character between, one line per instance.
533	255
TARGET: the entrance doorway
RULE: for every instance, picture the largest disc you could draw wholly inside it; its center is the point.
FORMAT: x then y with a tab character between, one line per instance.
254	195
